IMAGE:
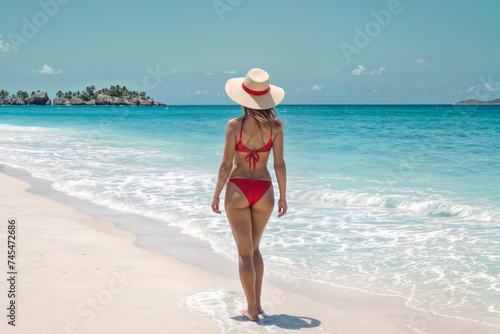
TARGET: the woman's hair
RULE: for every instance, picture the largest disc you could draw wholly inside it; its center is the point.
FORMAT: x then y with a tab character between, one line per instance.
263	116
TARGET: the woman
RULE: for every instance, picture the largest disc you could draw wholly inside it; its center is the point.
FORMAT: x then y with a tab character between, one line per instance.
249	199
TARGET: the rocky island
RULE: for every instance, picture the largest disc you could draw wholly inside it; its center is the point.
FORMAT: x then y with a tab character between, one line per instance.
113	96
476	102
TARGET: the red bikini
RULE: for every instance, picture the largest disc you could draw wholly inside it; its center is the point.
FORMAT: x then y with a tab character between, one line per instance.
253	155
253	189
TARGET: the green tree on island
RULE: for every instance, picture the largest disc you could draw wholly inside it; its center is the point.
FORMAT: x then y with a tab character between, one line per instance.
4	94
90	93
22	94
90	90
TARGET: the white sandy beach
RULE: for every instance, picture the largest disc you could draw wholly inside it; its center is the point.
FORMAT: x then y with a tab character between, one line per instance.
81	275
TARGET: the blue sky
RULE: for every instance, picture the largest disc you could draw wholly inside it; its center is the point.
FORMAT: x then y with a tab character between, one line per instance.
320	51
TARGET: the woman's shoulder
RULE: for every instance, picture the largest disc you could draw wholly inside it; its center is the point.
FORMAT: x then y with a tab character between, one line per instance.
233	123
277	129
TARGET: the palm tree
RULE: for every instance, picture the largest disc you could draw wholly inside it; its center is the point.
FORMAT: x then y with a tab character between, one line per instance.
90	90
4	94
59	94
22	94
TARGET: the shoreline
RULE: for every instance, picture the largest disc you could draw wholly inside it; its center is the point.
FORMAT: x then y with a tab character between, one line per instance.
151	246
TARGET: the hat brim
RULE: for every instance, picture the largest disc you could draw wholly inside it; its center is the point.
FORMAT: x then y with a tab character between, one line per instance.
269	100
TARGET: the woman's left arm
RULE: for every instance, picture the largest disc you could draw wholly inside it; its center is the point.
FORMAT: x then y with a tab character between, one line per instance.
226	164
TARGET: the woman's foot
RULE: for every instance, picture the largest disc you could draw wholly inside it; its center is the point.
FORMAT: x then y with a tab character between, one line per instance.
253	316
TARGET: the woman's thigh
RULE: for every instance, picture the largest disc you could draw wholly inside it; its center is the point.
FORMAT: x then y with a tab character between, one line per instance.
261	211
239	215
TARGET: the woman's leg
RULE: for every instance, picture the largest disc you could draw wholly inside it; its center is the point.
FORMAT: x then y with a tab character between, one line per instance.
240	218
261	211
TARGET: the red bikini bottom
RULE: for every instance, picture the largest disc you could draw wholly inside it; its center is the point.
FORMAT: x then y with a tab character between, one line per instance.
253	189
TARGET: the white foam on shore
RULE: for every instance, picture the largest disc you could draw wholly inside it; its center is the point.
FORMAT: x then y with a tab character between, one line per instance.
224	307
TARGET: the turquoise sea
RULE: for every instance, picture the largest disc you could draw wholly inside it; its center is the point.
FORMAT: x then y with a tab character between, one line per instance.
394	200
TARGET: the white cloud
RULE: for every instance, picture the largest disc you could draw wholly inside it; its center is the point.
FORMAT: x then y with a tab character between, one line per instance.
201	92
470	89
4	46
460	92
318	87
47	70
375	90
420	61
489	88
229	72
378	72
209	73
359	70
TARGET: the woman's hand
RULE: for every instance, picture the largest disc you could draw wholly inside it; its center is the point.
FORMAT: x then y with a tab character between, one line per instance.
215	205
282	207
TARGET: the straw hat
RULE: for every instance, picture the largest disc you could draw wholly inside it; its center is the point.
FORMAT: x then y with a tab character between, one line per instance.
254	90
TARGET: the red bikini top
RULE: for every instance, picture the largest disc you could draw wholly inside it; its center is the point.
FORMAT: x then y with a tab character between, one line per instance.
253	155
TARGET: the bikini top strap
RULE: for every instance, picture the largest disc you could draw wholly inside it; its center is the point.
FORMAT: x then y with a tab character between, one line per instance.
271	136
241	129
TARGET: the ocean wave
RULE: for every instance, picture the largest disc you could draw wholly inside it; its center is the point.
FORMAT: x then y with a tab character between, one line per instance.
435	207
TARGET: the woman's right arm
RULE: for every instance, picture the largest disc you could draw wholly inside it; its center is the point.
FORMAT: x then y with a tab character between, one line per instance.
280	169
226	165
